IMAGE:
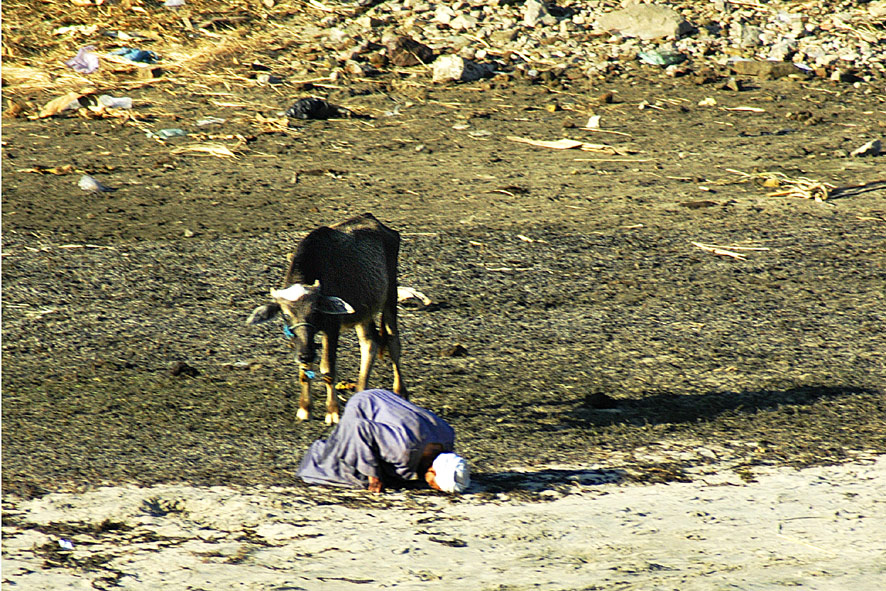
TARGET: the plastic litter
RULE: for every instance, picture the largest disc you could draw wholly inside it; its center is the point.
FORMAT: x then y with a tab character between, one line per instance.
66	544
123	102
174	3
85	62
210	121
312	108
165	134
88	183
657	57
141	56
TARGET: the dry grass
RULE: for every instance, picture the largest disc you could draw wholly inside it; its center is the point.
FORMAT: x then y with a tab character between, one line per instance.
800	187
207	42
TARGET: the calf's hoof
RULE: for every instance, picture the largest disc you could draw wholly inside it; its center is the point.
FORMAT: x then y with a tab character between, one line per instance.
332	418
303	414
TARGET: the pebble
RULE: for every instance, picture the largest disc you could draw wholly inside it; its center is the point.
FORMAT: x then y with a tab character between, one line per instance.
871	148
457	68
646	21
764	69
92	185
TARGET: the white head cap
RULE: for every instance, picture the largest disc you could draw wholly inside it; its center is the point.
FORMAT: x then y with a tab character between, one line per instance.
452	473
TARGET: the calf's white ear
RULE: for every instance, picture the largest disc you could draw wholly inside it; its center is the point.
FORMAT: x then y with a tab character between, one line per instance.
334	305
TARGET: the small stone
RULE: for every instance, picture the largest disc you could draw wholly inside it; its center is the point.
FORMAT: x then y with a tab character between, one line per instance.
92	185
646	21
268	79
764	69
369	22
733	84
405	52
444	14
749	36
502	37
871	148
456	350
705	76
449	68
534	12
463	22
180	368
149	73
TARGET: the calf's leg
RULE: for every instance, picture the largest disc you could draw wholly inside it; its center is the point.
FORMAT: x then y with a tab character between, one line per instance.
392	344
304	402
368	336
327	369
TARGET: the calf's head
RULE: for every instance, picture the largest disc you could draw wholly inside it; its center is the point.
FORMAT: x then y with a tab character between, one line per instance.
306	312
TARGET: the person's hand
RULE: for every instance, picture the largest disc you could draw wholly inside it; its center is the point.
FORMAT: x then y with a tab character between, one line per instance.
375	485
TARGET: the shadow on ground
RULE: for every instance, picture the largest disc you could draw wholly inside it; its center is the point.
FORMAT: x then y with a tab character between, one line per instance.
660	408
542	480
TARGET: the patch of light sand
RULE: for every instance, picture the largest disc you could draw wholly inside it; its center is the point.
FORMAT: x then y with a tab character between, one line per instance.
819	528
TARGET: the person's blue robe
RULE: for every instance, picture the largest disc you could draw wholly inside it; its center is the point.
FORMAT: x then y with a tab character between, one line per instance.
379	435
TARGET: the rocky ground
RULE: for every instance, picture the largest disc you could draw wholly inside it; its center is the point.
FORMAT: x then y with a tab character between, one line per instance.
691	284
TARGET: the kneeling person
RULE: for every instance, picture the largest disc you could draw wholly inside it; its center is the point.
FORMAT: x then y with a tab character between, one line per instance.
383	440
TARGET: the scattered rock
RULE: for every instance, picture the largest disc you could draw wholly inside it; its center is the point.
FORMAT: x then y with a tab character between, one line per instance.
456	350
149	73
646	21
406	51
765	69
871	148
463	22
449	68
180	368
698	204
733	84
268	79
92	185
535	13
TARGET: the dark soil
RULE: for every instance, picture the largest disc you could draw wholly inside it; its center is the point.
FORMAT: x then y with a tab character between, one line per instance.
563	274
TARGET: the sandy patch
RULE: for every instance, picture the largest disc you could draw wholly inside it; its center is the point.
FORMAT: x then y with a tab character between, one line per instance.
818	528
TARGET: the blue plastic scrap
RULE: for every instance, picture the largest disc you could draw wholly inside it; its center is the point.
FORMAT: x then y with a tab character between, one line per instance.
141	56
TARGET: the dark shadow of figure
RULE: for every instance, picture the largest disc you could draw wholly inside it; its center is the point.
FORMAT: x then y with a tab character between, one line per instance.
535	482
660	408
